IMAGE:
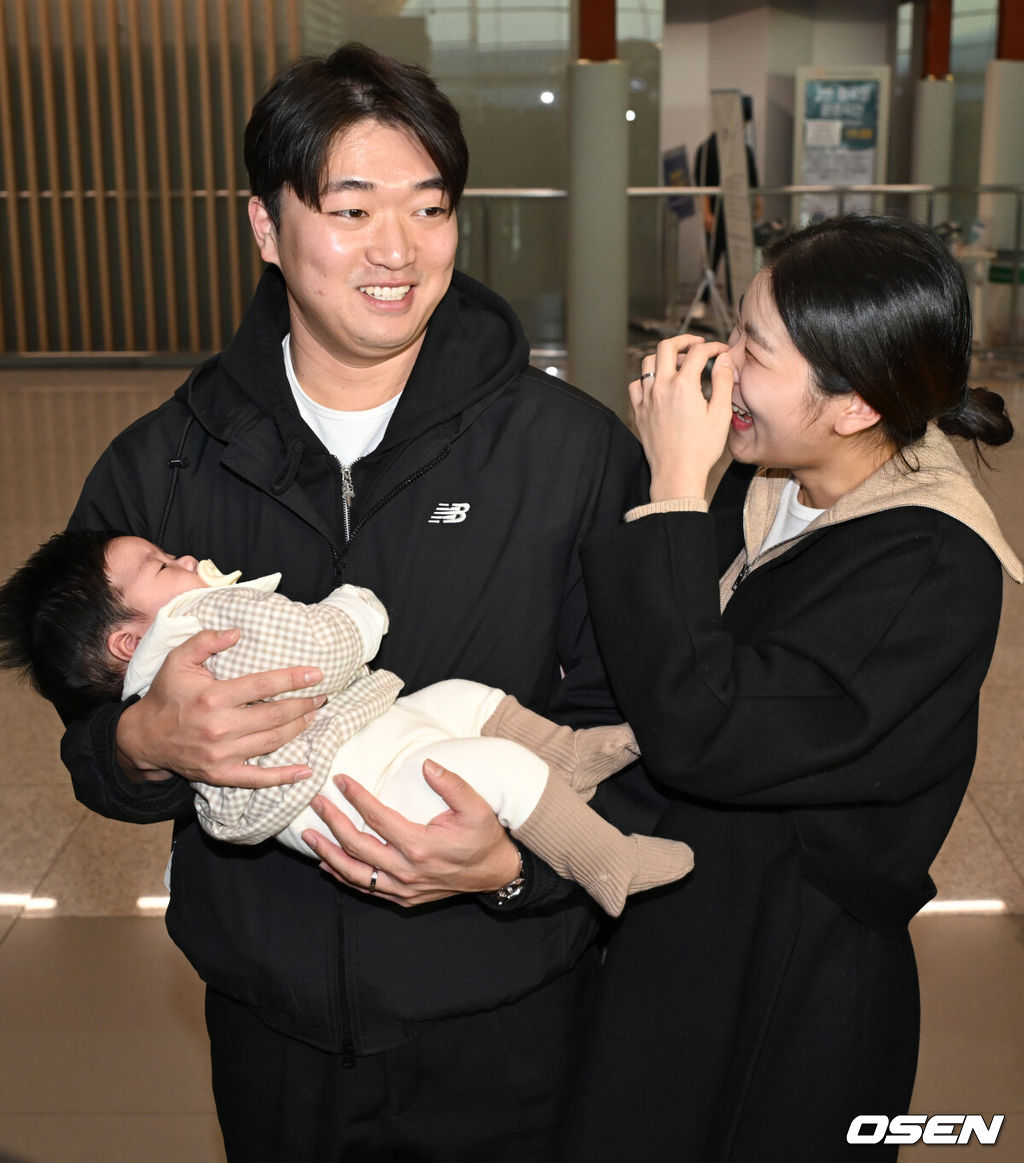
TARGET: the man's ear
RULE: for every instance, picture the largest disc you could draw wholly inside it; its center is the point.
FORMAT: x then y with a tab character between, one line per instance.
264	229
854	415
123	641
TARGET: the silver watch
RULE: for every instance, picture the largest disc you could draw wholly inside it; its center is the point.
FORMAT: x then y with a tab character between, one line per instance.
509	892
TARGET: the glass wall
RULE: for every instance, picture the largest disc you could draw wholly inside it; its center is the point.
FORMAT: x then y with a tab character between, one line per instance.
973	46
504	64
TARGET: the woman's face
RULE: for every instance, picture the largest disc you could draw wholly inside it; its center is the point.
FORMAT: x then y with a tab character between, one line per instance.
778	421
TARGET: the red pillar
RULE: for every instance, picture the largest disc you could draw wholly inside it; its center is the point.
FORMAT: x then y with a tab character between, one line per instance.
1010	37
938	20
597	30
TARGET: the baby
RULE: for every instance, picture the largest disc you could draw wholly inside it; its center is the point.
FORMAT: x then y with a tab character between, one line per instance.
91	616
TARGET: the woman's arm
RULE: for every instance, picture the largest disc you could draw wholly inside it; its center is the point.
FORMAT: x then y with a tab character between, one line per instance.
869	634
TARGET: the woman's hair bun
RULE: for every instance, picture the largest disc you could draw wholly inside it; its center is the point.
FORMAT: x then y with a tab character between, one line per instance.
981	416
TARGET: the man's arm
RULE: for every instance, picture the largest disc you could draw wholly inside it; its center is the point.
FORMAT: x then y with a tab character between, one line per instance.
121	757
204	729
465	849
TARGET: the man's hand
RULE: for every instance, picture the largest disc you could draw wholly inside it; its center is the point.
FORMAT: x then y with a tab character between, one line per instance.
191	724
464	849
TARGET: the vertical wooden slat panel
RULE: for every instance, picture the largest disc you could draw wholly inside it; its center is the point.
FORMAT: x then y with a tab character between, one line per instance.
14	279
270	38
167	232
35	227
228	148
141	124
53	180
248	49
83	305
125	291
103	264
88	123
294	29
209	183
187	186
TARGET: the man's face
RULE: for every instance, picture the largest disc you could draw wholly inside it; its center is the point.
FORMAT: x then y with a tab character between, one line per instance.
365	271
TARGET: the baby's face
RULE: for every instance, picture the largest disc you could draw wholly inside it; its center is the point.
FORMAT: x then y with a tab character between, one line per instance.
147	577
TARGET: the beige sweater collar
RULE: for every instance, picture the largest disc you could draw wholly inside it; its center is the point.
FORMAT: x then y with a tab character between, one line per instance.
940	482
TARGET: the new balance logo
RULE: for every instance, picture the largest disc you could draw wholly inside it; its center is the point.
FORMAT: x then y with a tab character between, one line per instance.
449	513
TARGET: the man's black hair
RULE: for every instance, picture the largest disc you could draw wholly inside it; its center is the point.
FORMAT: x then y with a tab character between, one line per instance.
314	101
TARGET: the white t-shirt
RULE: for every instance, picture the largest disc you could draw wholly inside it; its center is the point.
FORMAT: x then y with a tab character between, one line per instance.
346	435
791	517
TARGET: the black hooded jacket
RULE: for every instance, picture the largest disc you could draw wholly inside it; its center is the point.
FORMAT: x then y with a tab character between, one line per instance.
466	521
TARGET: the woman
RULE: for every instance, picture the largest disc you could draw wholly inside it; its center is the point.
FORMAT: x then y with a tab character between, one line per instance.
801	667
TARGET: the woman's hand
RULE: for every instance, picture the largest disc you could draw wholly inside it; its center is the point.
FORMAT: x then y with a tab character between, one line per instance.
464	849
682	433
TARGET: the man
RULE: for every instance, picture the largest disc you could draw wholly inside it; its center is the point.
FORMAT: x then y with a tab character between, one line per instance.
375	419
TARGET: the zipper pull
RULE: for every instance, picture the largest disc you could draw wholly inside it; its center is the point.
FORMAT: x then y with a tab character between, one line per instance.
348	493
741	575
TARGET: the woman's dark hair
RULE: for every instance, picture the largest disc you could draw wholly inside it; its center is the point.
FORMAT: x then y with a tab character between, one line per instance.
55	614
879	306
315	100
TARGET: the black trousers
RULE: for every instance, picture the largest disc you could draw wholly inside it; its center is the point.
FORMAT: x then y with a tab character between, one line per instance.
484	1088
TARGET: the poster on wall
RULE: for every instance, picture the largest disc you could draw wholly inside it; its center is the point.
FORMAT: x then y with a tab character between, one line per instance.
841	131
675	171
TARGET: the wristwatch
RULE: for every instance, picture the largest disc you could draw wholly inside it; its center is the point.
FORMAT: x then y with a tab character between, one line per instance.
509	892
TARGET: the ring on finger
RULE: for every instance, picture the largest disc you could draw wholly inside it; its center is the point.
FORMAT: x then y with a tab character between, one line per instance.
646	376
372	886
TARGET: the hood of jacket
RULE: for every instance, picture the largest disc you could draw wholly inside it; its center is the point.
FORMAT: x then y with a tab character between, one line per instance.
935	478
473	344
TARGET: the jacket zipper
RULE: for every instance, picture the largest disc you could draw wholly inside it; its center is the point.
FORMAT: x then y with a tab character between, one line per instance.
760	558
348	1053
771	554
348	1047
348	494
768	555
744	570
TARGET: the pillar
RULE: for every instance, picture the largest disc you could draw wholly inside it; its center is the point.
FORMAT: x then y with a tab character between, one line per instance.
1002	158
932	149
1002	161
597	288
1010	36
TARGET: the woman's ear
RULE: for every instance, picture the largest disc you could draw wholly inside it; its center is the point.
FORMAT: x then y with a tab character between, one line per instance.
123	642
855	415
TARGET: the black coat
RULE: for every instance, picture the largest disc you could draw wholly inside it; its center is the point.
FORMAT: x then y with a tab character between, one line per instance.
227	469
816	740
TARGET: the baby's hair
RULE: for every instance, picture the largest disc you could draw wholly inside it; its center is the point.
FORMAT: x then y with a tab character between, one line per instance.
56	611
879	306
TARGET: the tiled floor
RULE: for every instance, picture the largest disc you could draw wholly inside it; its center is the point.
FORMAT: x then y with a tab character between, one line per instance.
102	1048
